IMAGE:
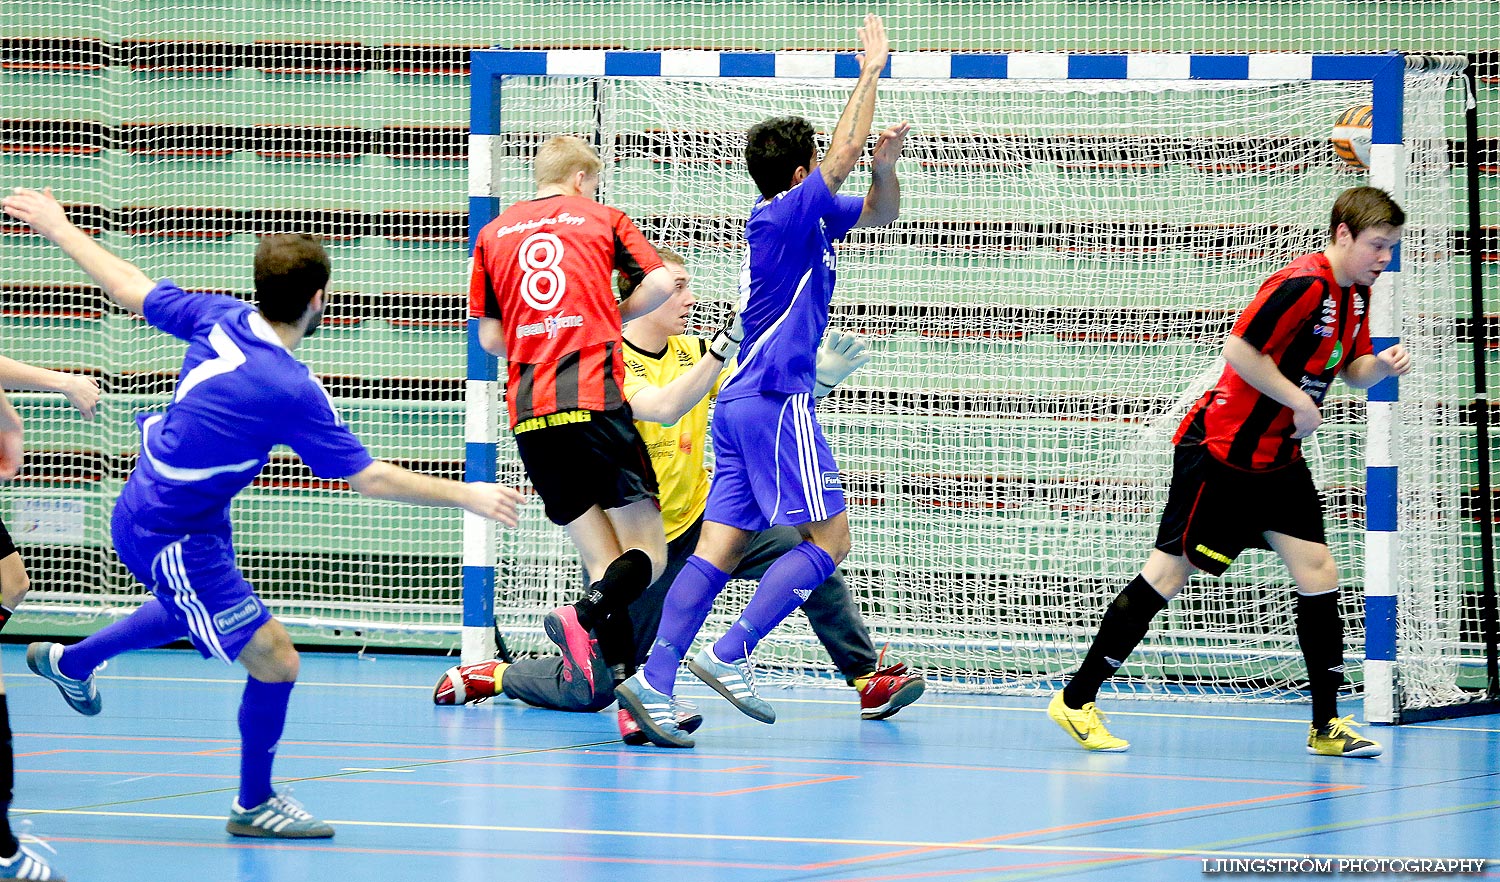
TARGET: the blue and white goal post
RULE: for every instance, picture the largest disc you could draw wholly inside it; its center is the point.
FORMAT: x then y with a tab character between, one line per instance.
498	176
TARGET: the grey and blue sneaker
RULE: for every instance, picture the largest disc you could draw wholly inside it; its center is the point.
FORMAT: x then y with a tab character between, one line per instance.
653	711
279	817
733	680
81	695
27	864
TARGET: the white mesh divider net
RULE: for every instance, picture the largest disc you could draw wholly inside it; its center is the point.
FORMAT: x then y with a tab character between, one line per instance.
1068	261
185	169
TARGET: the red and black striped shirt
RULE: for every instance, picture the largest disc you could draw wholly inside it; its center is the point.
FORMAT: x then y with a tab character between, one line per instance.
1312	328
544	269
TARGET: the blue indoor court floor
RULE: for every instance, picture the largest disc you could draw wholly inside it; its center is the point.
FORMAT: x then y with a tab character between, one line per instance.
955	787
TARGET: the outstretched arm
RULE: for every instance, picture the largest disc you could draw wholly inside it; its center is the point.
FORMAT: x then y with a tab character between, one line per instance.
121	280
667	404
1367	370
10	439
382	480
853	130
82	392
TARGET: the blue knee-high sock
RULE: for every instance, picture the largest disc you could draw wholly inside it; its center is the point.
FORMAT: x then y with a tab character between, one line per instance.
683	612
783	588
262	717
147	627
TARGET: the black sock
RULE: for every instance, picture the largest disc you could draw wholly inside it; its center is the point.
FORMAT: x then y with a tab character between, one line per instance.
616	635
622	582
1124	624
1320	633
8	844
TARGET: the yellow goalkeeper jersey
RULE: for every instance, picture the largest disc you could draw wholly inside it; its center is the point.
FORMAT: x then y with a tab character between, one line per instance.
676	450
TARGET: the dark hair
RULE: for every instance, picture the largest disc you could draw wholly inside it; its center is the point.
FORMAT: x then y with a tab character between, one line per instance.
1360	208
775	148
625	285
289	269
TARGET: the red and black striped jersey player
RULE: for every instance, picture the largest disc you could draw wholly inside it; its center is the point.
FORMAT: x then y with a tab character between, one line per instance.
1239	479
542	289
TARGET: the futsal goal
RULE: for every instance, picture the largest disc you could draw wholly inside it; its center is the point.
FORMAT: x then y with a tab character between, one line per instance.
1077	236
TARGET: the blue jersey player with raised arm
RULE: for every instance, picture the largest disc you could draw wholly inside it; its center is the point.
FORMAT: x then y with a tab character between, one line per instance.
240	393
772	465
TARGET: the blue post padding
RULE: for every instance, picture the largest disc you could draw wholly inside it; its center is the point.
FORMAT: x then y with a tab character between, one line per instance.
1388	389
1350	67
482	210
979	67
1380	627
1380	499
479	597
632	64
847	67
481	462
747	64
482	365
1395	265
1096	67
1387	93
1219	67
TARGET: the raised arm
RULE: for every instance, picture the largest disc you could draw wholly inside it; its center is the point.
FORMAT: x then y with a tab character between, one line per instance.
883	201
853	130
81	391
126	285
652	292
382	480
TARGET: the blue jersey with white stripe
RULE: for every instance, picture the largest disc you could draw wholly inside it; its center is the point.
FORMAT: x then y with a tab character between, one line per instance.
240	393
787	284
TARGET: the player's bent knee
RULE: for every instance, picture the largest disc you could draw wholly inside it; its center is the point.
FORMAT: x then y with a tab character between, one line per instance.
270	656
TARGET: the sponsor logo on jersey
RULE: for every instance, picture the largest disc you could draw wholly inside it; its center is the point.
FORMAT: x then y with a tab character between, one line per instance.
550	326
234	619
831	481
1335	356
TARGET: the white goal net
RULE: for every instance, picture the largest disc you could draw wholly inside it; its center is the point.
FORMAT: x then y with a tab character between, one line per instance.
1069	259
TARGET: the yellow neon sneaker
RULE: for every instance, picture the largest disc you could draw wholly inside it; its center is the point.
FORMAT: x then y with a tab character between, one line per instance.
1085	725
1338	738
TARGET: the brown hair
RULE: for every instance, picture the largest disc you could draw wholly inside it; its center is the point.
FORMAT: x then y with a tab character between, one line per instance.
289	269
1360	208
560	157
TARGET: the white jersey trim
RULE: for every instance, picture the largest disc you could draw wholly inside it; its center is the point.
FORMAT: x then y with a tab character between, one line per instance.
186	476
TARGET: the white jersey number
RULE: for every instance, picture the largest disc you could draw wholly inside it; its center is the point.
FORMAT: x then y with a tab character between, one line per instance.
543	283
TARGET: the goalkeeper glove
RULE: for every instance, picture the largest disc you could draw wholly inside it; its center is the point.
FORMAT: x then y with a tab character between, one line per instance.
726	343
840	355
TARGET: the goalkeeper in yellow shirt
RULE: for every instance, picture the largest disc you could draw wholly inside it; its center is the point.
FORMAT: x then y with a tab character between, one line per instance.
670	380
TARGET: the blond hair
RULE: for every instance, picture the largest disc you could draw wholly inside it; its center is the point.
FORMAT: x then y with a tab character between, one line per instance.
561	157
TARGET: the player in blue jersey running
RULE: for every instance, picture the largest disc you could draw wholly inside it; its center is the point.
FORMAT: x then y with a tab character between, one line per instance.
772	463
240	393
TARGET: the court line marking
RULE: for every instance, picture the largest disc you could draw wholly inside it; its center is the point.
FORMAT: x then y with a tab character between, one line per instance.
1102	823
588	750
821	841
839	703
